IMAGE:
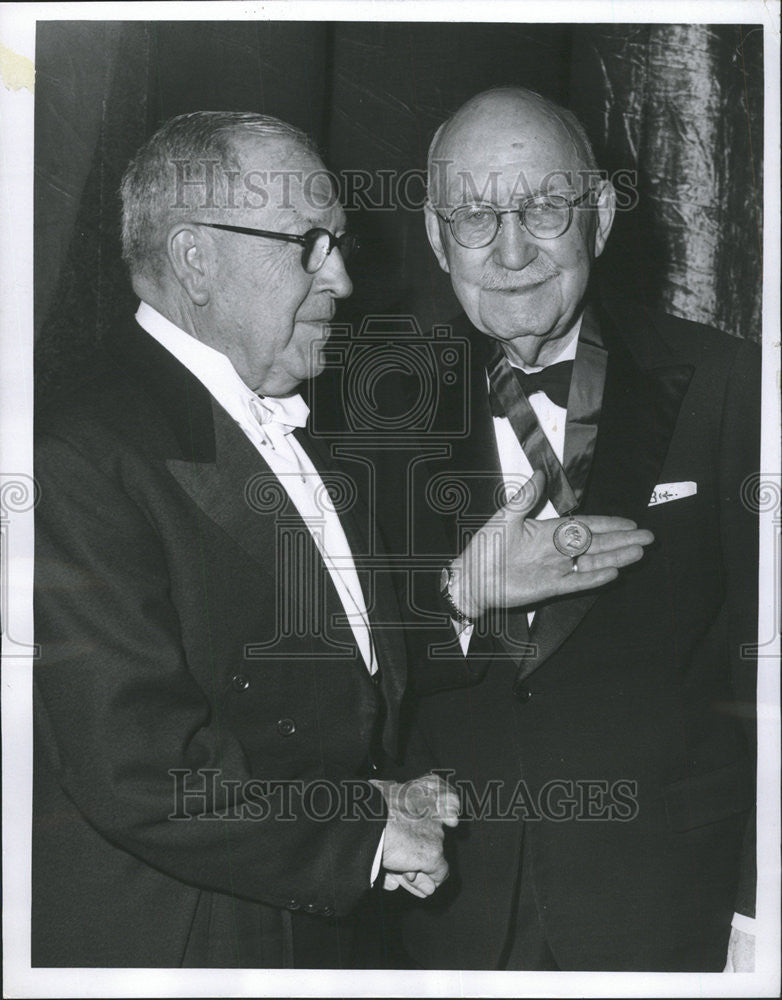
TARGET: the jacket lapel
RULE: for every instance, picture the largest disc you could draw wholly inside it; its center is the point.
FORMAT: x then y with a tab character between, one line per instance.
379	595
239	492
472	468
223	474
638	417
206	453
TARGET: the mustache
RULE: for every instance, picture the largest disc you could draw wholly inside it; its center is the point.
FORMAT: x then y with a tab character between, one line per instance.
504	281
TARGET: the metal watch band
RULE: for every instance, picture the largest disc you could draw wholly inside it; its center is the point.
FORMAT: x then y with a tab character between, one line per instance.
456	613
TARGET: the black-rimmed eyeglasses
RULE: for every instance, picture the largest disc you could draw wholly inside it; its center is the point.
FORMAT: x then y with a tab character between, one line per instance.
544	216
317	243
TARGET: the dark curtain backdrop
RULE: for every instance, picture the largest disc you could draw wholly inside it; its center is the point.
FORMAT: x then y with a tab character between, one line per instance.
681	105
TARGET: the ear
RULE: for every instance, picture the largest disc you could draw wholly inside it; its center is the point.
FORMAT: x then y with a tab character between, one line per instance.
434	230
187	256
605	209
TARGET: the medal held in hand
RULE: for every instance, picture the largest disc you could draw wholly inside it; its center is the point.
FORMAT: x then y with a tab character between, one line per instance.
572	538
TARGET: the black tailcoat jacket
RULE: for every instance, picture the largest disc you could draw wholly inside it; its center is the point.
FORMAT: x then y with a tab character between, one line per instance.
621	750
190	656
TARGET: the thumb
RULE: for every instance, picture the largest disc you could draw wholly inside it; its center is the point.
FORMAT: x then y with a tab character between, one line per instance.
529	496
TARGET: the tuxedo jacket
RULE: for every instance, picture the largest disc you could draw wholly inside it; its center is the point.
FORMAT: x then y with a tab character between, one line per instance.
617	755
191	656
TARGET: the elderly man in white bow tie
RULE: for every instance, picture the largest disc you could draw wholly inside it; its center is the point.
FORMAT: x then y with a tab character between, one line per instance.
212	698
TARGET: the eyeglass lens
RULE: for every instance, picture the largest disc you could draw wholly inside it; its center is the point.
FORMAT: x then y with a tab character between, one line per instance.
477	225
319	245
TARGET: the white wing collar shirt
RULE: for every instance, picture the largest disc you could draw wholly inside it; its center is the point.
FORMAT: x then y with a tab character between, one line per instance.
267	421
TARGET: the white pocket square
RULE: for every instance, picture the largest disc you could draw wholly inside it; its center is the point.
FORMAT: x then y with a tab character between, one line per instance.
665	492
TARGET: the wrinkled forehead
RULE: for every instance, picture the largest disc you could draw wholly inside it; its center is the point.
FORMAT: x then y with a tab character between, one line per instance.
503	156
285	182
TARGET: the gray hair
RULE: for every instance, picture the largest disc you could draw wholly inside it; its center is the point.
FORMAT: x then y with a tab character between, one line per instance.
567	119
151	188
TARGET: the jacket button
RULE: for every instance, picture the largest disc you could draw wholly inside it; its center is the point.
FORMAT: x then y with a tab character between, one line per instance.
293	904
375	678
286	727
521	692
311	908
239	682
328	912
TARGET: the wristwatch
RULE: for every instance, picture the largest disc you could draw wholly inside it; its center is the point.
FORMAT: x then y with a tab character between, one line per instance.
446	578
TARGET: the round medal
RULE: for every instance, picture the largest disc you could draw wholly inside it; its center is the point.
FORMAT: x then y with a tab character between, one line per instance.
572	538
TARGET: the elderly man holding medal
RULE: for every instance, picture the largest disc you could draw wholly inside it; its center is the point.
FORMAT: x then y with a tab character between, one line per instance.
602	741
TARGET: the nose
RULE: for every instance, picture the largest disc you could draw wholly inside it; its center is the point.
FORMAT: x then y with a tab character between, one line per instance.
514	248
333	277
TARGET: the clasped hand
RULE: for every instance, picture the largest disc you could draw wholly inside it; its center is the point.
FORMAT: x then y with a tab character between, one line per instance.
418	811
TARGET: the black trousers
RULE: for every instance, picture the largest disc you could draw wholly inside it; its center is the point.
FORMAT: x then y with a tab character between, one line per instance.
526	947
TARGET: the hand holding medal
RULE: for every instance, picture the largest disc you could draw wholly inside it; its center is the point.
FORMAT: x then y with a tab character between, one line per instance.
515	560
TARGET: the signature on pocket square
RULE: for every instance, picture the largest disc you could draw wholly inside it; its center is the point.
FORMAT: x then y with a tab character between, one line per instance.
665	492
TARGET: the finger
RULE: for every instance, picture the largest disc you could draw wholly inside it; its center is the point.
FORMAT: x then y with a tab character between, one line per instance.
412	889
572	582
611	540
391	881
599	524
422	882
445	812
450	814
529	496
448	808
438	871
618	558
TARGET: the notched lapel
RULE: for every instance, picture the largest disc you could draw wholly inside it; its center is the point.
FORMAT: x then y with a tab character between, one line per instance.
473	467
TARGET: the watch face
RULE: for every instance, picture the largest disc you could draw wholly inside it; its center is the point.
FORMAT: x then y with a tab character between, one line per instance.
445	579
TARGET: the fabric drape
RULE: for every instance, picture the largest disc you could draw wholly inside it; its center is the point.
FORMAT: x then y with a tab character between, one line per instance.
680	105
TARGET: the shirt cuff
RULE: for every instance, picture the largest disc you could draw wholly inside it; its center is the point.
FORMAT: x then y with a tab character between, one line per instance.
745	924
378	858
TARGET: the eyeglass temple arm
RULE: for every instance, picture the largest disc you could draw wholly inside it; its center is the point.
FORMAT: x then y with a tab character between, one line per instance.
286	237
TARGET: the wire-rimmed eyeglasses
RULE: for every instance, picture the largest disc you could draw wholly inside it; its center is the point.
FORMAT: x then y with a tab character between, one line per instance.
317	243
544	216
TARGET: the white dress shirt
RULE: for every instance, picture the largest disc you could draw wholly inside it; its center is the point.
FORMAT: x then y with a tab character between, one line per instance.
263	421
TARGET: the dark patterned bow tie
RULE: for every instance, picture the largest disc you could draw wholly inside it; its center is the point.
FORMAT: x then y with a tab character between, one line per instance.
554	381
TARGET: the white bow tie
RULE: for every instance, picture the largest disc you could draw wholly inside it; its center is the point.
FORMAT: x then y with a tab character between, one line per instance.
286	412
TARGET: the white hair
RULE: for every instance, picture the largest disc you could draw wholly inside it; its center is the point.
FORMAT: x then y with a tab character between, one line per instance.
151	188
